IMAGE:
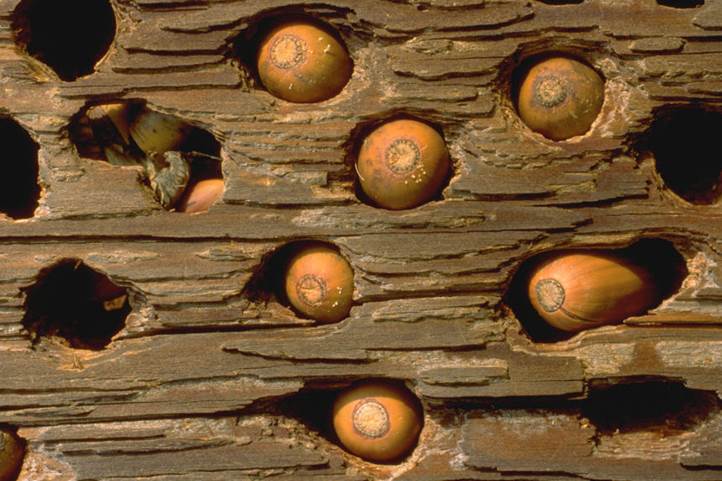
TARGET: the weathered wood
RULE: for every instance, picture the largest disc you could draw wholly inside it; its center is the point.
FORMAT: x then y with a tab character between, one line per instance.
197	385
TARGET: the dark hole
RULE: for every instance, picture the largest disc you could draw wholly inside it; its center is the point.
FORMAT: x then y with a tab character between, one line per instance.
561	2
681	3
70	36
659	257
313	407
19	189
98	136
74	302
685	145
664	406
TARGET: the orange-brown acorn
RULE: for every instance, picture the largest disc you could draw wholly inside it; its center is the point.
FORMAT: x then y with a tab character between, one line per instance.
319	283
402	164
560	98
378	420
578	291
199	197
12	452
302	62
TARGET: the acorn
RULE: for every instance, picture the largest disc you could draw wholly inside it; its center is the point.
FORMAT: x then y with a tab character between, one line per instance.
157	133
319	283
578	291
199	197
302	62
402	164
12	452
378	421
560	98
109	294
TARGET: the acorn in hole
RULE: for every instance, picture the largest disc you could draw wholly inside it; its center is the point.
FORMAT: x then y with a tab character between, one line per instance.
12	451
200	196
302	62
379	421
577	291
319	283
402	164
560	98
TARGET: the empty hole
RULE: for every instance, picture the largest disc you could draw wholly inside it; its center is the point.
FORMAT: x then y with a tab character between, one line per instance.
19	189
685	146
681	3
71	301
659	257
100	135
69	36
561	2
663	406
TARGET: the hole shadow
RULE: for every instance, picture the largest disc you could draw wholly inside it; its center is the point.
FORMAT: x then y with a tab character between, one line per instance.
19	189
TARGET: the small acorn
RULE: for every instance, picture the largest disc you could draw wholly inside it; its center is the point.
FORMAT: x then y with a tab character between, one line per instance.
560	98
157	133
319	283
578	291
199	197
301	62
402	164
12	452
378	421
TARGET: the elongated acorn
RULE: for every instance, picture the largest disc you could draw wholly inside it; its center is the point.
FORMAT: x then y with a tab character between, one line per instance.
319	283
378	420
577	291
302	62
158	133
199	196
12	452
402	164
119	114
560	97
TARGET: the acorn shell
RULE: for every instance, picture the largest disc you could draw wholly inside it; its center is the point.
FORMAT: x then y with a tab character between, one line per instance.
302	62
378	420
560	98
158	133
319	283
578	291
200	196
12	452
402	164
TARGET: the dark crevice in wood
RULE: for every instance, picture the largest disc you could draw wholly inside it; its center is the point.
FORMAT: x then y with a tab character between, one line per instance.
562	2
660	257
19	189
75	304
684	142
69	36
681	3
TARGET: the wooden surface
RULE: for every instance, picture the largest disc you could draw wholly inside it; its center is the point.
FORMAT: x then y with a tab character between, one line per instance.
201	383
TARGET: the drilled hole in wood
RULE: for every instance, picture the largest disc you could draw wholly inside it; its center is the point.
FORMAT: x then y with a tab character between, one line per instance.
559	293
681	3
19	189
69	36
72	302
662	406
685	147
310	277
561	2
180	162
12	453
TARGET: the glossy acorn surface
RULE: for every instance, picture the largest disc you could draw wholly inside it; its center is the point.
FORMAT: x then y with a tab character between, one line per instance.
12	452
301	62
560	98
379	421
157	133
402	164
319	283
199	197
577	291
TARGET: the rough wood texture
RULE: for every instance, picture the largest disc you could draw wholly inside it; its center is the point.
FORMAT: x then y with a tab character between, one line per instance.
193	388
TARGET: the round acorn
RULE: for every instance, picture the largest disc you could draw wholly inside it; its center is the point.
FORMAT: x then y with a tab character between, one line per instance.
301	62
402	164
199	197
560	98
12	452
378	421
319	283
578	291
